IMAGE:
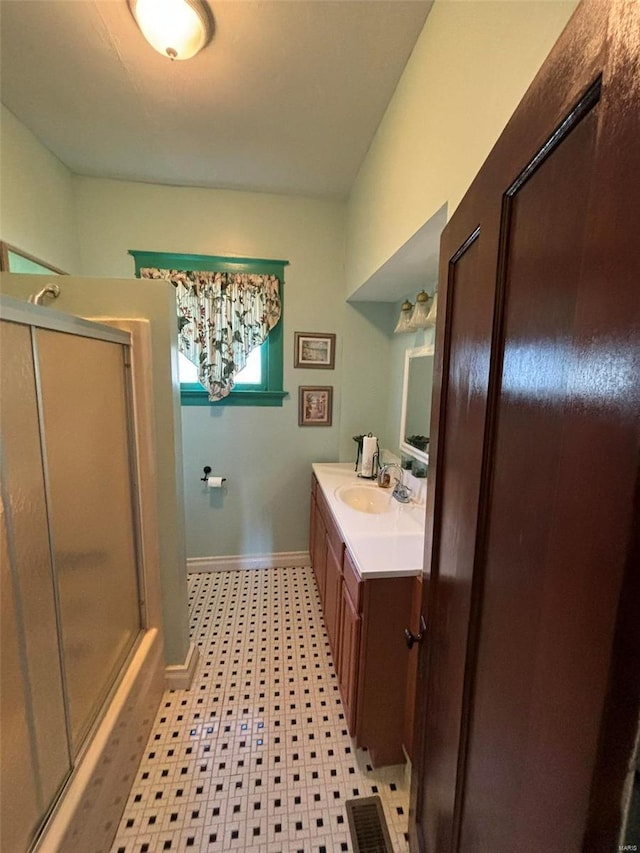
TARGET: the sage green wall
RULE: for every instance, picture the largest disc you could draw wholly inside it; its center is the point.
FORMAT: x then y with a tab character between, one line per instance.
470	67
37	205
468	71
153	301
399	344
366	375
264	454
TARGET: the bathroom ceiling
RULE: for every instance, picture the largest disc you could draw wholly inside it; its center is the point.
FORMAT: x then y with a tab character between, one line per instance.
286	99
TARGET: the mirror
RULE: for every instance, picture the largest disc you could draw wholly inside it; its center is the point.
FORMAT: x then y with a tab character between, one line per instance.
15	260
416	402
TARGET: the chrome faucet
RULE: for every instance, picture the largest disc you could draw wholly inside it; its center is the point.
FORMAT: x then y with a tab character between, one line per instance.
400	492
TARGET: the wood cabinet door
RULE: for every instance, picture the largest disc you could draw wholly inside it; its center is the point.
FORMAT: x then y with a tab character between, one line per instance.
529	695
333	588
319	556
313	509
350	623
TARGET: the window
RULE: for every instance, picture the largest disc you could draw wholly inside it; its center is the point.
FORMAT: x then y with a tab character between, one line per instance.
249	377
260	382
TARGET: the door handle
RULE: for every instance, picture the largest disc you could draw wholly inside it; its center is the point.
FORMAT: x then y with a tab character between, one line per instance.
410	638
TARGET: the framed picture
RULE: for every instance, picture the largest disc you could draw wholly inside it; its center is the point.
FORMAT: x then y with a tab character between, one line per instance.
314	349
315	405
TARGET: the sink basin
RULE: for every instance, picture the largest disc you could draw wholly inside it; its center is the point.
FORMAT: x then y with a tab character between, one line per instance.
365	499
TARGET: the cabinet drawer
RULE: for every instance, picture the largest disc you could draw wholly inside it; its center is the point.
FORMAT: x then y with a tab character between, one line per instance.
323	506
351	579
333	534
334	537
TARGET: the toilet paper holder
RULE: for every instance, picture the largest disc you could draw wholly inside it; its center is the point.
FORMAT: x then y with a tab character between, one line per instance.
207	474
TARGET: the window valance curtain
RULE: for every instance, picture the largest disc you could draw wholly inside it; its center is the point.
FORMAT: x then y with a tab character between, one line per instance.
222	316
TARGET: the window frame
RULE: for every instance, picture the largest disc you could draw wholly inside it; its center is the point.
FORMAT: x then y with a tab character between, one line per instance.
271	391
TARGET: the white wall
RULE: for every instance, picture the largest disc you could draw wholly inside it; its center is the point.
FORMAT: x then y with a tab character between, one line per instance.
37	207
469	69
264	454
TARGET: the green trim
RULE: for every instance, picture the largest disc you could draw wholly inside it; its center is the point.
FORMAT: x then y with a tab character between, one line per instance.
274	354
208	263
263	385
195	395
269	392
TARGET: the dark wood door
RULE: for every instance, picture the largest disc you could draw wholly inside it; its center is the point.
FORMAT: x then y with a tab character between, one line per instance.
529	676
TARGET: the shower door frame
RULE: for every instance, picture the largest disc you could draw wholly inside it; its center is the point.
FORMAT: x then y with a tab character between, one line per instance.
39	317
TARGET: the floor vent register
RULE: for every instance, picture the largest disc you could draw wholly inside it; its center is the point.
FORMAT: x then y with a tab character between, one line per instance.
369	833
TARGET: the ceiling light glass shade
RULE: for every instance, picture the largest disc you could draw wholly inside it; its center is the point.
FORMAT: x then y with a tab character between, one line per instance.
405	317
175	28
433	313
420	316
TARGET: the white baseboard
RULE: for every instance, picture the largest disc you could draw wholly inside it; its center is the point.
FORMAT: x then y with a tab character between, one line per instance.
180	676
281	560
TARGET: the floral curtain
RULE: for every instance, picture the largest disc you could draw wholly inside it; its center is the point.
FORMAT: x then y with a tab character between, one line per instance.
221	317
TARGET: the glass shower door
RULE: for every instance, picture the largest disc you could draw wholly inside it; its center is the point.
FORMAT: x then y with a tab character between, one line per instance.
34	751
84	398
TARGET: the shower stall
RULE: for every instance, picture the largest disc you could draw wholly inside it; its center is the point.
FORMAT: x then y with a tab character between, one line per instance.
74	624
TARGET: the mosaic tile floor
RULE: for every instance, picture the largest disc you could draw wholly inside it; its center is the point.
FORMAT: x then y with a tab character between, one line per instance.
256	756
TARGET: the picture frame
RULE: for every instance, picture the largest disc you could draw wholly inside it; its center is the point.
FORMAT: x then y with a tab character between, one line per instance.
315	350
315	405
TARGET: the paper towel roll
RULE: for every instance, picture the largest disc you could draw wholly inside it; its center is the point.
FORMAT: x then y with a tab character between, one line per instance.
369	449
215	482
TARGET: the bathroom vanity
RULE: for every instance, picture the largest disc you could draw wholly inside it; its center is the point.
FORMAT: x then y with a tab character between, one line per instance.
366	550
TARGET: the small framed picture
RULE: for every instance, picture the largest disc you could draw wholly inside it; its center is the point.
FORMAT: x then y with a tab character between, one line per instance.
315	405
314	349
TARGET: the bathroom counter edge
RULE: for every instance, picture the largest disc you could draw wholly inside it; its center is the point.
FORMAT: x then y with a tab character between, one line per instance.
385	545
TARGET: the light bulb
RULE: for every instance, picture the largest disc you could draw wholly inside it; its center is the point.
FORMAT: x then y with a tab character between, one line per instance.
175	28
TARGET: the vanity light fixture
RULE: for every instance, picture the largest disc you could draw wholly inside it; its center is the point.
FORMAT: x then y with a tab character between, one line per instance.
405	317
433	312
420	317
175	28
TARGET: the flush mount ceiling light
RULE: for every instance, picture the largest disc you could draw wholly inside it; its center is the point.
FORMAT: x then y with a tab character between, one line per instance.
175	28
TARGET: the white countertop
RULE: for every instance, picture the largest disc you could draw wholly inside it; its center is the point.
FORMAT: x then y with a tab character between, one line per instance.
383	545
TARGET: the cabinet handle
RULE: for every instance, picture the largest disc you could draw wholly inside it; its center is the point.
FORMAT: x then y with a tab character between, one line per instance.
410	638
